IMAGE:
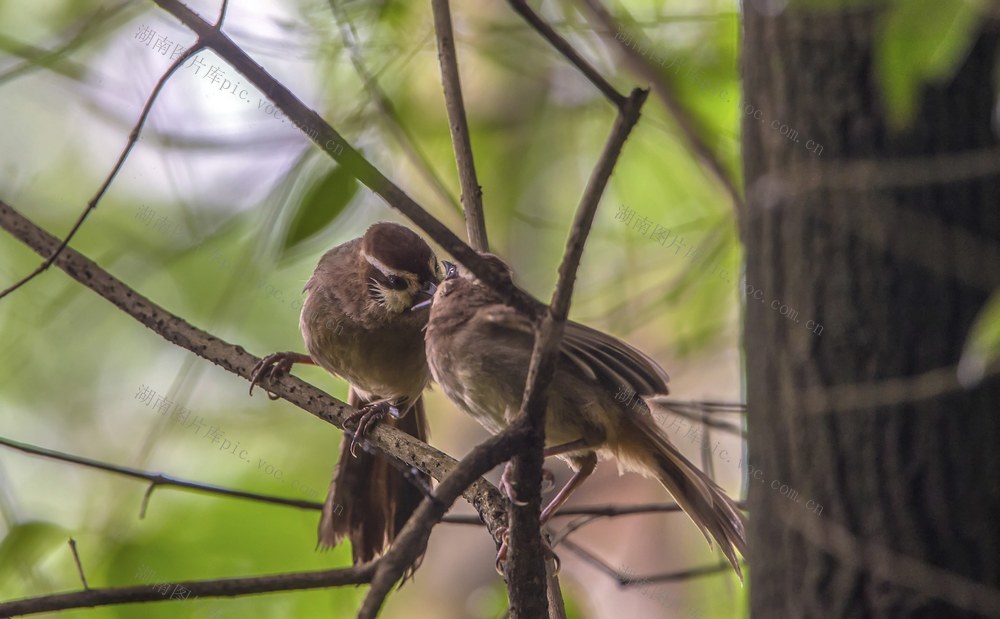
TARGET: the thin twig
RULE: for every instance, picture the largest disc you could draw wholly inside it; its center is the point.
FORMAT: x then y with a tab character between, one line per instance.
891	391
591	514
159	479
625	580
222	14
641	65
132	139
577	523
472	193
412	540
35	58
79	565
223	587
890	566
156	479
562	45
334	145
557	605
385	106
700	415
707	406
525	570
873	174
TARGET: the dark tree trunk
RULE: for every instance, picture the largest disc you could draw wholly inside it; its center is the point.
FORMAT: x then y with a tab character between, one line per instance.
867	498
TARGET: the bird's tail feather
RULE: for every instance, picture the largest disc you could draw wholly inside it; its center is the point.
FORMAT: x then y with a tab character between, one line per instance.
369	501
701	498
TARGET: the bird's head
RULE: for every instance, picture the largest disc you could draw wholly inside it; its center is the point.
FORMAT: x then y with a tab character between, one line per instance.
400	266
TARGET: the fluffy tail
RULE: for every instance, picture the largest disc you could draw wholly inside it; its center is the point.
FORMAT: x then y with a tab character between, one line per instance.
369	500
701	499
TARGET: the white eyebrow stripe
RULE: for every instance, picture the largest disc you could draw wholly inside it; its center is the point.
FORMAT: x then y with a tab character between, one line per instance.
378	264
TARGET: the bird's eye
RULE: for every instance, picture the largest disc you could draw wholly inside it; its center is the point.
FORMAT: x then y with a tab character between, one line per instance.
396	283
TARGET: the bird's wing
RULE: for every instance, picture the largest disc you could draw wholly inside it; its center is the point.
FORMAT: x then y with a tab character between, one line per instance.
612	361
600	357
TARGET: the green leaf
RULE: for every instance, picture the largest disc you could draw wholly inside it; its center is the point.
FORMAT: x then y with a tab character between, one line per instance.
922	41
28	543
323	202
982	348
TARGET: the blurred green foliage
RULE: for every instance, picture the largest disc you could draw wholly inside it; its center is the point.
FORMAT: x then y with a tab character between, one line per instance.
222	211
922	41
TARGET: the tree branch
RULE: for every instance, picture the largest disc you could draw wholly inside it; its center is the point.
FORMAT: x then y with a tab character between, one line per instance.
224	587
35	58
562	45
599	511
388	110
157	479
412	540
132	139
641	65
334	145
525	571
625	580
392	442
472	193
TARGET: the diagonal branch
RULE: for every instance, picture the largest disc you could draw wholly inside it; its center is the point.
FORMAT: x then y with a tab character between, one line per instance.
334	145
641	65
525	570
393	120
472	193
412	540
224	587
562	45
395	444
35	58
132	139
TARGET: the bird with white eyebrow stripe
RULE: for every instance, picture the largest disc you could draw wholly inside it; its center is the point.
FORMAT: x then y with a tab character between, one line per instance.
357	324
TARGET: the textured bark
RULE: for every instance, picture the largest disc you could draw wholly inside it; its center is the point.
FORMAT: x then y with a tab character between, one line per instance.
895	270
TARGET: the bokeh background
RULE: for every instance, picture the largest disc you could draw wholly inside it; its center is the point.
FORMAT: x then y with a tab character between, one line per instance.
220	214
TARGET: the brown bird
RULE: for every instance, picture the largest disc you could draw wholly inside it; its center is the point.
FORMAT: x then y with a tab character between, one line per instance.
478	350
358	325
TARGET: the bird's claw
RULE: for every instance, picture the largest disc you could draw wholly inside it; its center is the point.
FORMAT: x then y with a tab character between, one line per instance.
548	481
507	486
271	367
504	534
366	418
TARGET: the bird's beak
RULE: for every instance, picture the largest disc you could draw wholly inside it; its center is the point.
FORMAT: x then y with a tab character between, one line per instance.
427	290
450	269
